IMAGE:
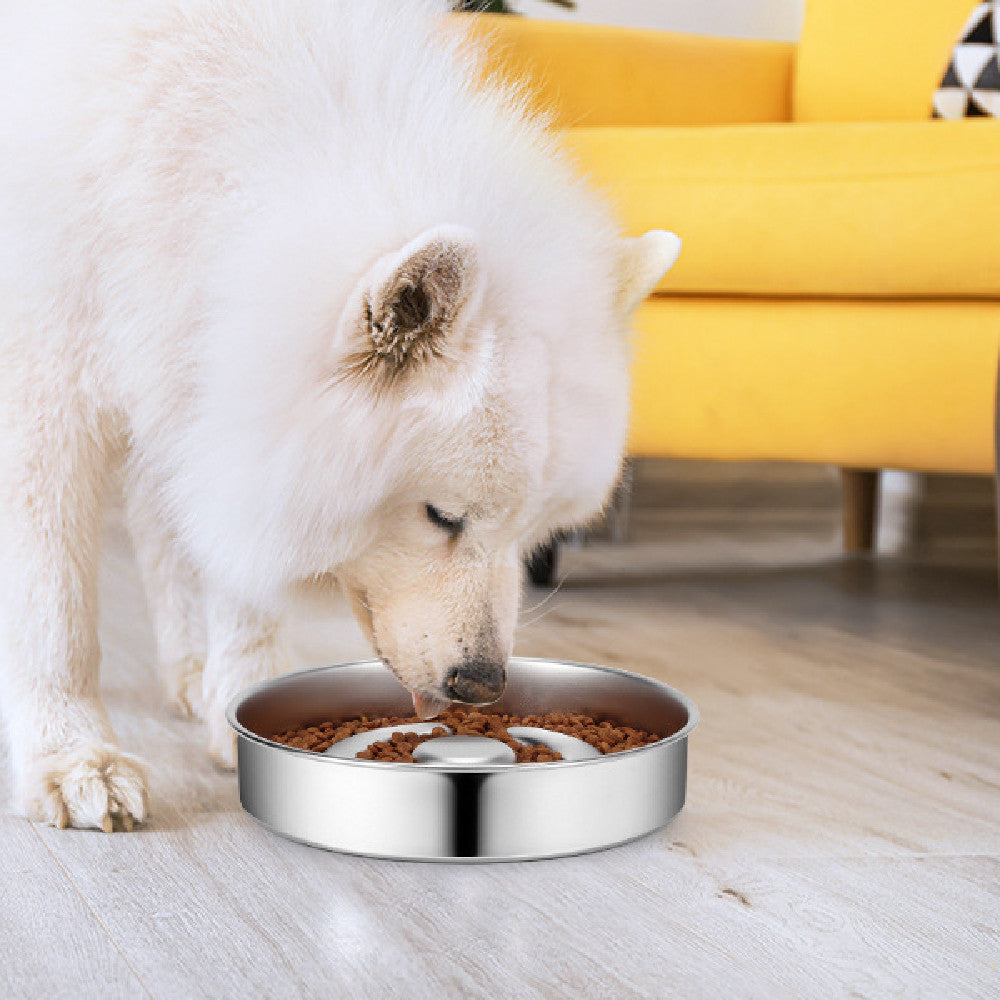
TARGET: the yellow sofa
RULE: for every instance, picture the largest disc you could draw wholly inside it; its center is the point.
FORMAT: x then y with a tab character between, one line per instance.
838	296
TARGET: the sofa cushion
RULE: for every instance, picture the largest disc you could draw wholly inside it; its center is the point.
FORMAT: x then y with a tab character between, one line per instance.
873	383
843	209
868	60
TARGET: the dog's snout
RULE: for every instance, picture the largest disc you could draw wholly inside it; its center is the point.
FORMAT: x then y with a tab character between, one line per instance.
476	682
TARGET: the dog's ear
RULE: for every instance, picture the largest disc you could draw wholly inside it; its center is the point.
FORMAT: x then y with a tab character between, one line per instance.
407	312
642	262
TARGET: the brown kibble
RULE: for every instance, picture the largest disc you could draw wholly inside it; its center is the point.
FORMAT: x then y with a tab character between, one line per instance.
606	735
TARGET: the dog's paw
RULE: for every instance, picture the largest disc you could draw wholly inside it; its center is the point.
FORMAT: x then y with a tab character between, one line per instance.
182	684
88	785
221	738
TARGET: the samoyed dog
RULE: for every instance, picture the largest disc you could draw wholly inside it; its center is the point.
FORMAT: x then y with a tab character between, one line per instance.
336	305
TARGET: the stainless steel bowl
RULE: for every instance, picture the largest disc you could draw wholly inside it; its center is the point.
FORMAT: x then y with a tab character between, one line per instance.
438	812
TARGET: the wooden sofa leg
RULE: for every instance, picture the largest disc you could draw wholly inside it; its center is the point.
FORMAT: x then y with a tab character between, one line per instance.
996	465
860	488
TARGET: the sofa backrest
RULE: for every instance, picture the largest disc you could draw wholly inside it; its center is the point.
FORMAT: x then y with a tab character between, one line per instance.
874	60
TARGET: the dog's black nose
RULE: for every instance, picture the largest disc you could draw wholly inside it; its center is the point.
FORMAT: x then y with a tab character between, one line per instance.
476	682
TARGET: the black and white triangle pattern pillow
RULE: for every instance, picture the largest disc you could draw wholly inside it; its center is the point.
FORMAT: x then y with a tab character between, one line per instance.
971	84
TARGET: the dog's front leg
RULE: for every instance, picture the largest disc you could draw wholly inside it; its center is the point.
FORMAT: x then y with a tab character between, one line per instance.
175	599
244	646
67	767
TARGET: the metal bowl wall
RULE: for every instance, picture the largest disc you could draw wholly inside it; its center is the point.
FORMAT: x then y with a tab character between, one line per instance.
432	812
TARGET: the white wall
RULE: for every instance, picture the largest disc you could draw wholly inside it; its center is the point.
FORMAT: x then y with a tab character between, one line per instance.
780	19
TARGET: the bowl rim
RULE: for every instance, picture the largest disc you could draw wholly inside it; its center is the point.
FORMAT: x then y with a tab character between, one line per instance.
682	734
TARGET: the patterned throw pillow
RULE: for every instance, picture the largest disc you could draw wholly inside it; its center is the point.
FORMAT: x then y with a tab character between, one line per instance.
971	84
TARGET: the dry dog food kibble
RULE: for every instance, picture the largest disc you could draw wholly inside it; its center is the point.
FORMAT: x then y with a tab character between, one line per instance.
608	737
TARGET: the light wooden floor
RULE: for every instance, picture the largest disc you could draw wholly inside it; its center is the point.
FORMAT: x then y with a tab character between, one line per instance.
841	838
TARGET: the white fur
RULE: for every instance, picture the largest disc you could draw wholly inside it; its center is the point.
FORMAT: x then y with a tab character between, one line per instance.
197	197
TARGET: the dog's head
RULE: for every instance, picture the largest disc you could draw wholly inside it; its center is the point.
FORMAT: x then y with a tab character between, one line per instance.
514	424
417	427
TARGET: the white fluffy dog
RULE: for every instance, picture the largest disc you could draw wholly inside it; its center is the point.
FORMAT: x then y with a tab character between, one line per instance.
336	307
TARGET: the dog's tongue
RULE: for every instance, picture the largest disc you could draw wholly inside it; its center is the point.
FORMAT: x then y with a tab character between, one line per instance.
427	706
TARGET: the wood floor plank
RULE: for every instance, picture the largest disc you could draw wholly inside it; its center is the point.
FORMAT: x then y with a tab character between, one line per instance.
840	837
866	927
52	940
821	741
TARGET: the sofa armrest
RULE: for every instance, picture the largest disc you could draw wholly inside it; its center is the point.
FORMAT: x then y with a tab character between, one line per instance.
598	75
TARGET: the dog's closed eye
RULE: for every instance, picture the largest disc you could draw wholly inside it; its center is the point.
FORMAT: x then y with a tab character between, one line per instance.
453	525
